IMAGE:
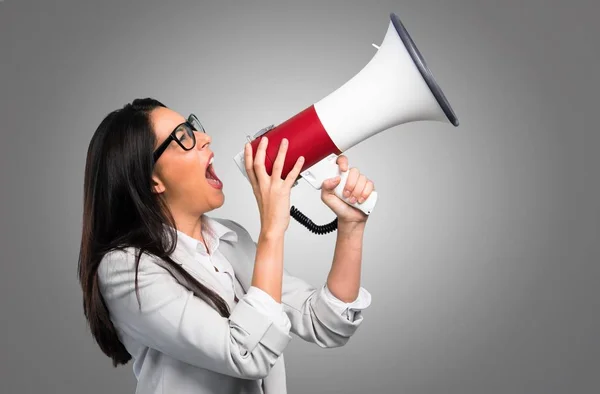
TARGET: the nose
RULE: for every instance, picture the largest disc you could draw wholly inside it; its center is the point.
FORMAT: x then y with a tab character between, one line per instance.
202	139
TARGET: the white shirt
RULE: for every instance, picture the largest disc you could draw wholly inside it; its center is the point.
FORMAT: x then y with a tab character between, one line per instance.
212	232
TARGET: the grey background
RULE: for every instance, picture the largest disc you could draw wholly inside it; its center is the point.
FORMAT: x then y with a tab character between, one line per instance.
482	255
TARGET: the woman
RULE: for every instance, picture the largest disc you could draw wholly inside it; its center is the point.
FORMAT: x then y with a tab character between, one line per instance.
197	304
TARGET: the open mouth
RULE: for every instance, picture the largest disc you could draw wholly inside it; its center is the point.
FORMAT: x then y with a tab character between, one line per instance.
212	177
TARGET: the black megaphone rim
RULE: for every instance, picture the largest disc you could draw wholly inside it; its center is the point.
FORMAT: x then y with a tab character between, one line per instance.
423	69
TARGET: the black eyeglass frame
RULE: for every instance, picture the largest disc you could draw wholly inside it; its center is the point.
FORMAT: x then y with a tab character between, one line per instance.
190	128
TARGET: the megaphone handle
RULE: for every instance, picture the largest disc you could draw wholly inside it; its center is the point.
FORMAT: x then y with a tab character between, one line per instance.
366	206
328	168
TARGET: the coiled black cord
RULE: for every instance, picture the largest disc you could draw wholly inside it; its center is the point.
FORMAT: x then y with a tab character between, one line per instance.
310	225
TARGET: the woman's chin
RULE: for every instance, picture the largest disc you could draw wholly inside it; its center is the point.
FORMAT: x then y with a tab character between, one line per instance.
219	197
215	202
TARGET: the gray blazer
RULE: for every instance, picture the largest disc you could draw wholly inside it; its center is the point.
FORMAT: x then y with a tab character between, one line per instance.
181	344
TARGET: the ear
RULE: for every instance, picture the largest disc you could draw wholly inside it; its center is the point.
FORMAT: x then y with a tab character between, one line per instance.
157	184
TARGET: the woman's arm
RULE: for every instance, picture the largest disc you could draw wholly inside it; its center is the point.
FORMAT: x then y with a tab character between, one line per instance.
343	280
268	266
273	199
344	277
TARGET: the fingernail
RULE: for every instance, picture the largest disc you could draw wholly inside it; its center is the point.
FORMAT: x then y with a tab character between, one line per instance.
360	200
346	193
352	200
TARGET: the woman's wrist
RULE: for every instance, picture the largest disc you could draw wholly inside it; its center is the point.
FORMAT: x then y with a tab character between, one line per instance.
271	235
351	227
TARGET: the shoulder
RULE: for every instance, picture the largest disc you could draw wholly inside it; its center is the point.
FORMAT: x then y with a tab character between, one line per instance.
119	265
120	258
126	294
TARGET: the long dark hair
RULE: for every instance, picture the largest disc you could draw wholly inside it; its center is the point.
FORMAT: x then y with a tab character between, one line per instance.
120	210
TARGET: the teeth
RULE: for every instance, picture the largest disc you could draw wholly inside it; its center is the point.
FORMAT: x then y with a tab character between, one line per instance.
211	160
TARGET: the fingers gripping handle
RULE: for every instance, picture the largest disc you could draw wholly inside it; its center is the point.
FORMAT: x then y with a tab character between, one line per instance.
328	168
366	206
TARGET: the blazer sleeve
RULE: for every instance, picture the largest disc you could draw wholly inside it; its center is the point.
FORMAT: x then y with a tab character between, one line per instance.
315	317
350	310
176	322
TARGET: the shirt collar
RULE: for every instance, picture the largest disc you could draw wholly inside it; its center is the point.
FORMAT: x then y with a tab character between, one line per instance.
212	231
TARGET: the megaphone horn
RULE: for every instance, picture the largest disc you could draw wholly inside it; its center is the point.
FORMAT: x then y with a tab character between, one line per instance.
395	87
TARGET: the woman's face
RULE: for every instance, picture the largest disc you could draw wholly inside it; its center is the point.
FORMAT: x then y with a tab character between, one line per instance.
181	175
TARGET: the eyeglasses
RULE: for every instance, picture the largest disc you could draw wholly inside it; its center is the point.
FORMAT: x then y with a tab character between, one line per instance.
183	134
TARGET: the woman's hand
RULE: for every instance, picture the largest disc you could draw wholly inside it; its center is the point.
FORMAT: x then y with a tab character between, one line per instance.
272	193
358	186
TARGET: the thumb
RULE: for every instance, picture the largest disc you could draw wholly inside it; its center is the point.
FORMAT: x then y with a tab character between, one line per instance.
331	183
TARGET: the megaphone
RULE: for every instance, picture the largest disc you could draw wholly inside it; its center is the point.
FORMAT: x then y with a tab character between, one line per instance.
395	87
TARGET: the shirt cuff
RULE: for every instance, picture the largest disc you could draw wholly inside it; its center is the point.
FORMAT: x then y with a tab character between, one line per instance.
263	302
350	310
